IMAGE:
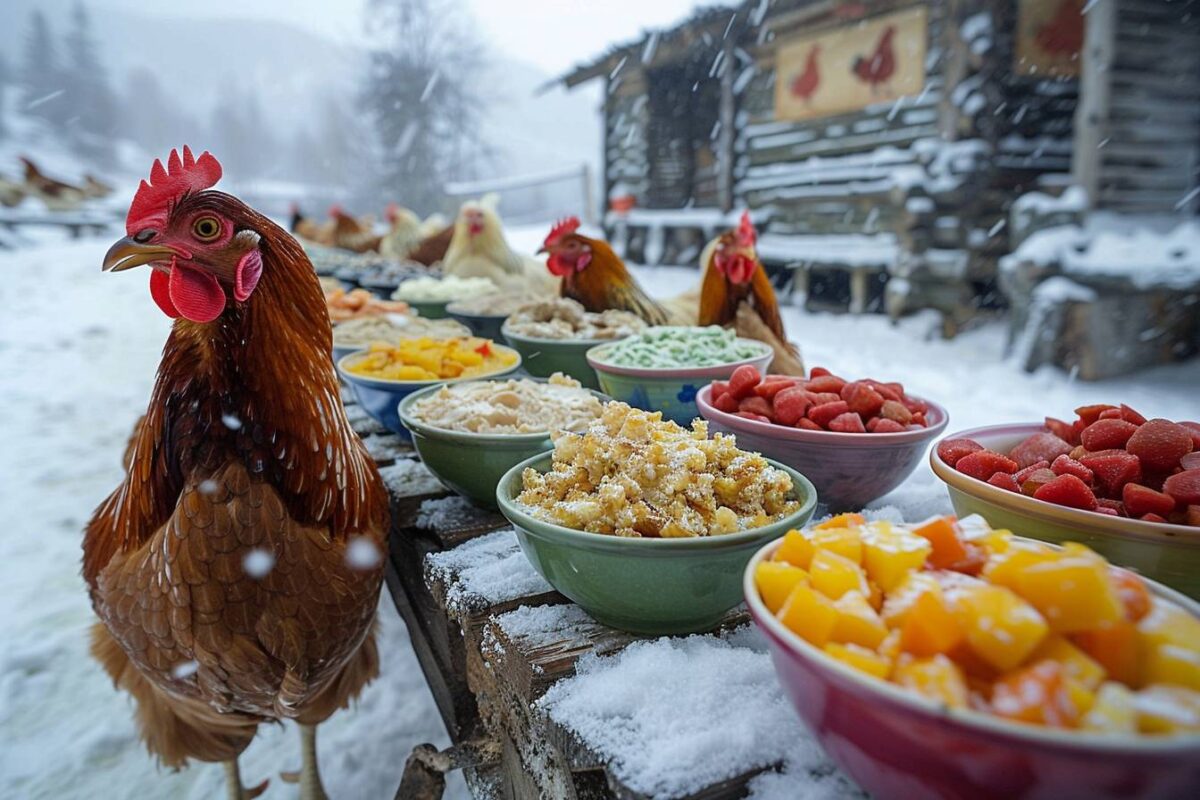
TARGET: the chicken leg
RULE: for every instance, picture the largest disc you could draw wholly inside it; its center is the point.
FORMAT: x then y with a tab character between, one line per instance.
233	782
310	774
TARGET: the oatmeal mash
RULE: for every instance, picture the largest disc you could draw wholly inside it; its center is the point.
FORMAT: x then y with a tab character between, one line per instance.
510	406
632	474
563	318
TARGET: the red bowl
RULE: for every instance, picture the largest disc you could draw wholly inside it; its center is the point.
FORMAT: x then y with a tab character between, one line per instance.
896	744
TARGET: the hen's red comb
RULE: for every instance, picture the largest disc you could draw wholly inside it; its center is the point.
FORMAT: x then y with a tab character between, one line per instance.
153	200
563	227
746	235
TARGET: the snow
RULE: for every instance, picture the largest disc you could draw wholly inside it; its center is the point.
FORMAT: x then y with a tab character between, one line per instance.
877	250
484	572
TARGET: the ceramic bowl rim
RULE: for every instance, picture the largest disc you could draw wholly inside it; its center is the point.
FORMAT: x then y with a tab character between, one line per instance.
677	373
394	386
977	722
572	537
803	436
1150	532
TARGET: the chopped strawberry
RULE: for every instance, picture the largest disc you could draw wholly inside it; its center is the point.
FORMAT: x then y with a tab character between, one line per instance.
773	386
1039	447
824	413
919	419
1036	480
1105	510
862	399
1193	516
821	398
751	415
849	422
1160	444
756	405
825	383
873	423
1141	500
1129	415
726	402
914	405
1065	465
808	424
1112	470
1090	414
951	450
818	372
1023	475
895	411
1104	434
743	380
1194	430
1111	413
719	388
1191	460
1152	517
1115	506
1184	487
1062	430
983	464
1004	481
885	425
791	405
1067	490
888	390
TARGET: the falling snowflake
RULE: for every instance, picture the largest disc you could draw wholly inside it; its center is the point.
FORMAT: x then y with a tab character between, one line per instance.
184	669
231	421
362	553
258	563
208	487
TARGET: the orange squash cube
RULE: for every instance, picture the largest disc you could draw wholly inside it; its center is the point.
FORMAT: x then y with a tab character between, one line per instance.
1167	709
834	575
809	614
1116	648
1135	597
1073	592
889	554
1114	710
775	581
1000	627
857	623
1169	663
861	658
937	678
843	541
1079	665
942	533
929	627
1042	694
795	549
900	600
850	520
1003	566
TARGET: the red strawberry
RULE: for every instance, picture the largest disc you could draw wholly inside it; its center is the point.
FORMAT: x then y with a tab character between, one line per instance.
1191	460
1112	413
885	425
886	389
847	423
896	411
1067	490
1024	474
825	383
825	412
1115	506
1184	487
1129	415
1065	465
1194	429
862	399
1112	470
1062	430
1090	414
756	405
919	419
791	405
726	403
1036	480
914	405
817	372
1004	481
808	425
1160	444
1152	518
743	380
1105	434
873	423
1039	447
752	415
1141	500
773	386
1193	516
951	450
1106	511
983	464
821	398
719	388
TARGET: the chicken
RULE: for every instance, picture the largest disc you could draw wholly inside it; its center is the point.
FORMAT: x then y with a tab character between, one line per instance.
404	233
236	568
11	192
735	289
594	275
1063	34
806	83
479	250
432	249
94	187
354	234
57	196
309	229
881	66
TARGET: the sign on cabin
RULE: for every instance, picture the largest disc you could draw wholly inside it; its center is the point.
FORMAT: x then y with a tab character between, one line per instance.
1049	38
845	69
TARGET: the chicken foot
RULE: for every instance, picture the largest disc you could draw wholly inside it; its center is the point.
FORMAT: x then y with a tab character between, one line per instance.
233	782
309	776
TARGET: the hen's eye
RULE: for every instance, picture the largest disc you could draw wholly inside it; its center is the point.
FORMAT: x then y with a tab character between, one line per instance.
206	228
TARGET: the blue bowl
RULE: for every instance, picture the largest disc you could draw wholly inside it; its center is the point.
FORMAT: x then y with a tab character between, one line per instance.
381	398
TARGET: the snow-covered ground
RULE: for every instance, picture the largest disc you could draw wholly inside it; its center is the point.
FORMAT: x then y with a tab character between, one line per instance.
78	350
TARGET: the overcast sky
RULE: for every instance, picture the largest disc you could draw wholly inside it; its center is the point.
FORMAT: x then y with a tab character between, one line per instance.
553	34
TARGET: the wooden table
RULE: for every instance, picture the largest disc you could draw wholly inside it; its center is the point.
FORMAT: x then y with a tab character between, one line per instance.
484	680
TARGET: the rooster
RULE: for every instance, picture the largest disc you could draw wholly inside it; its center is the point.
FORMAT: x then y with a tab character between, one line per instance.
309	229
478	249
805	84
354	234
594	275
1063	34
404	232
57	196
735	289
235	569
881	66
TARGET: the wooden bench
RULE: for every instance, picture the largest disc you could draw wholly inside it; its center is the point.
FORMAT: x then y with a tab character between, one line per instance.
76	223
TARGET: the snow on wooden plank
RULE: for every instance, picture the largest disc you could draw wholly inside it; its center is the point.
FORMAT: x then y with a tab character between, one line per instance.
853	251
485	574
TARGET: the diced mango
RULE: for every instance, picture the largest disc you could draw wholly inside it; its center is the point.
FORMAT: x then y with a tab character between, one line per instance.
1000	627
937	678
1072	592
843	541
889	554
1167	623
889	648
795	549
834	575
775	581
1114	710
1170	663
1167	709
857	623
809	614
929	627
901	599
1005	565
995	541
1115	647
848	520
861	658
1042	694
948	547
1079	665
1135	597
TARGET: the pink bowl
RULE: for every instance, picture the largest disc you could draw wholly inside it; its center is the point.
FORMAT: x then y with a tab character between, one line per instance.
848	469
896	744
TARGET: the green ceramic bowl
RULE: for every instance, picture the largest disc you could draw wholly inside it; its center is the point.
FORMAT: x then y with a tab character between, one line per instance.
471	464
430	309
485	326
544	357
652	587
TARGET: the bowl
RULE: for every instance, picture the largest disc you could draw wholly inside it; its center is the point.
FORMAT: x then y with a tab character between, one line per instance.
429	309
381	398
1158	550
471	464
848	469
544	357
349	277
897	744
669	390
651	587
485	326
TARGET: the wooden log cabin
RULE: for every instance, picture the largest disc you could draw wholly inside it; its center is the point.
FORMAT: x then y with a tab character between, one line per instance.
881	145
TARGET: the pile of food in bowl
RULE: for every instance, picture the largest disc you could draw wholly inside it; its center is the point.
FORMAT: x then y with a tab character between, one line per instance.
428	359
1110	460
358	304
680	347
977	619
564	318
509	407
442	290
499	304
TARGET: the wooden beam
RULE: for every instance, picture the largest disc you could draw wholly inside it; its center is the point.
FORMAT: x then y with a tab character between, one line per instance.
725	140
1091	113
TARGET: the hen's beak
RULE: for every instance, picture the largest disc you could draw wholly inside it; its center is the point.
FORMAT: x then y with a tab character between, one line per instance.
543	249
127	254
